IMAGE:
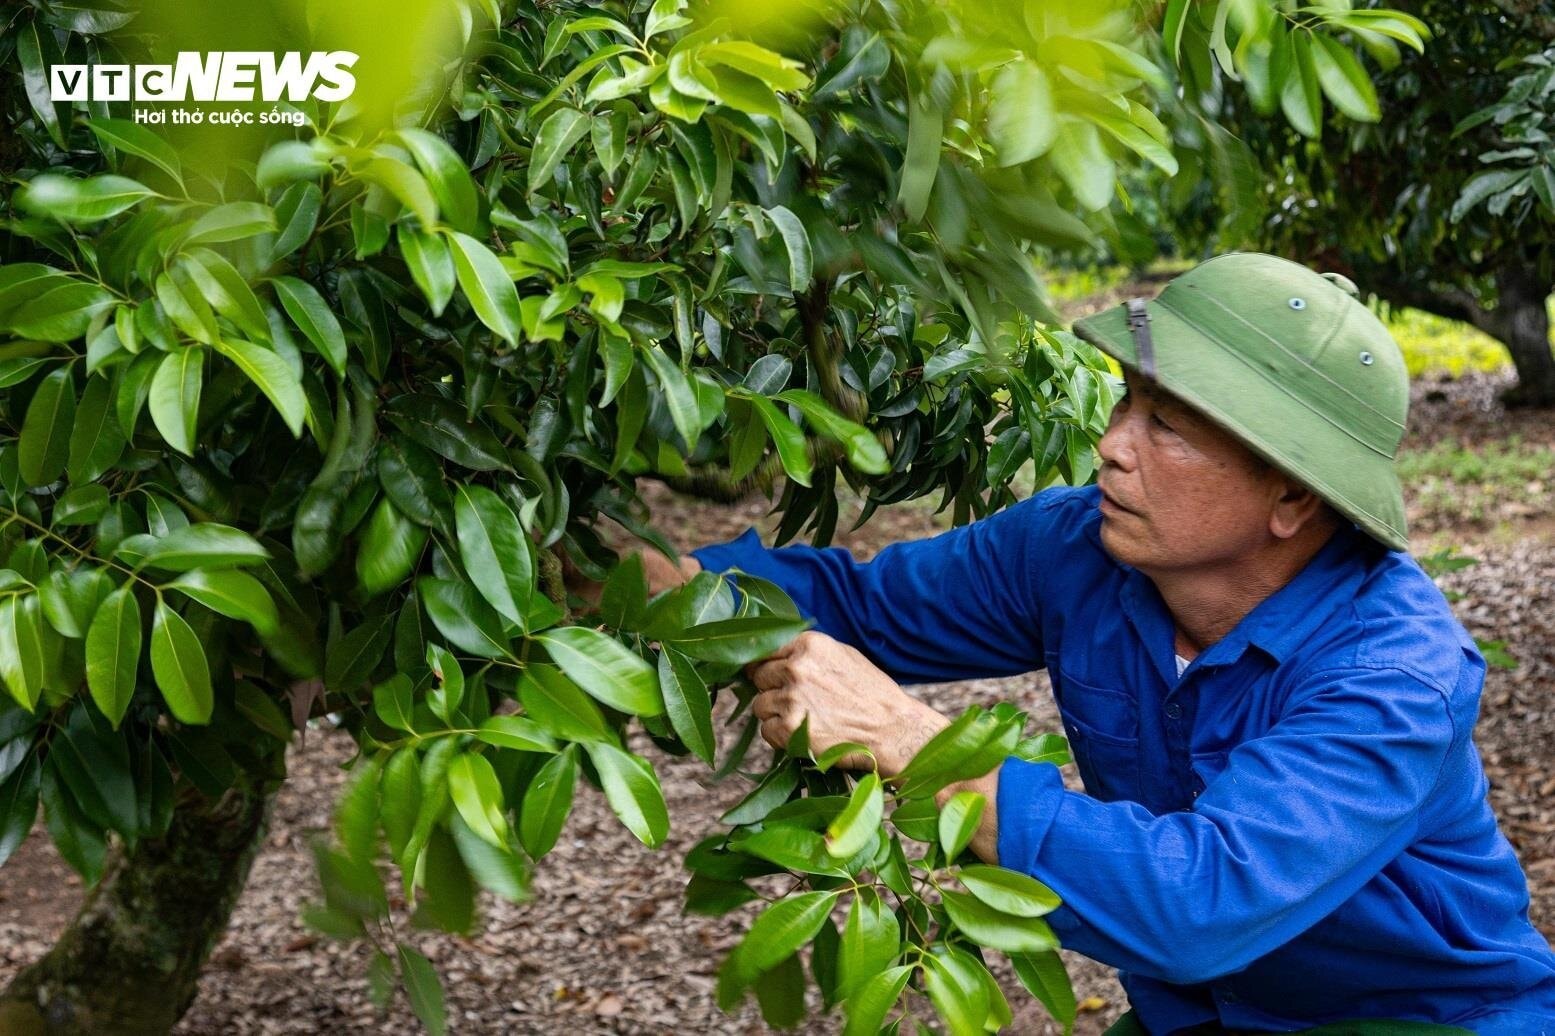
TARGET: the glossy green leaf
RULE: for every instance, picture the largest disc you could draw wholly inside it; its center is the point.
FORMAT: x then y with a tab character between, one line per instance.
1007	891
85	200
609	672
1342	78
234	594
737	641
557	135
394	702
871	941
781	930
424	989
391	544
959	820
867	1008
202	545
857	825
132	139
495	551
175	397
44	447
96	440
1044	976
313	317
518	732
988	927
797	243
21	647
687	703
112	652
447	176
633	791
547	802
477	795
487	286
179	665
431	265
559	706
271	375
459	614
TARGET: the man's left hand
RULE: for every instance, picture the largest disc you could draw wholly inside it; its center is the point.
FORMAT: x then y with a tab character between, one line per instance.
847	699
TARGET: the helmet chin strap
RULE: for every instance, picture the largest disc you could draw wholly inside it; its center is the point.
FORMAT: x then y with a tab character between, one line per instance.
1144	345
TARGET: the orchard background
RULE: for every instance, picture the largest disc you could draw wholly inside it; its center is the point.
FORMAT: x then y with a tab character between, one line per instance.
298	426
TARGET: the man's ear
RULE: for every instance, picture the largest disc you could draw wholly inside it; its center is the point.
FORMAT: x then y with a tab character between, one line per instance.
1296	508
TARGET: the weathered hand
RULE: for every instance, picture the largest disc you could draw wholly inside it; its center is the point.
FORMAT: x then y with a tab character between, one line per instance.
660	572
846	699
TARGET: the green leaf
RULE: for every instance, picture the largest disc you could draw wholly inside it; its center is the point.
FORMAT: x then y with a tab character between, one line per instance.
857	825
609	672
477	795
59	309
863	449
460	615
557	135
678	395
18	805
547	802
44	447
297	215
867	1008
559	706
1044	976
85	200
518	732
1343	79
202	545
781	930
495	551
424	989
394	702
175	397
431	265
21	648
126	136
231	222
959	820
1022	121
920	166
487	285
356	810
737	641
688	703
500	871
871	941
964	1010
1007	891
1300	96
313	318
404	184
447	175
96	441
797	241
236	595
112	652
271	375
391	544
633	791
988	927
179	665
449	693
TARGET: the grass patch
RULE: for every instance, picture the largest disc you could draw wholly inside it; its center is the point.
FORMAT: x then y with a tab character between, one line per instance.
1449	485
1433	344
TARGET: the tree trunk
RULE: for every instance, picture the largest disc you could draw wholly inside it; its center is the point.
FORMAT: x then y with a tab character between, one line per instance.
1522	322
129	963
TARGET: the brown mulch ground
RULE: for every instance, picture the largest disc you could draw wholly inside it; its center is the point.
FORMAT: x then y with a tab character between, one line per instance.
604	946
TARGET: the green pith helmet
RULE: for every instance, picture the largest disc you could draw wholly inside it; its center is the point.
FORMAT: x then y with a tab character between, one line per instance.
1288	361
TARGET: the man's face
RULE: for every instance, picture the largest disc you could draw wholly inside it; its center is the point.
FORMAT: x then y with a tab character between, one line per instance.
1177	491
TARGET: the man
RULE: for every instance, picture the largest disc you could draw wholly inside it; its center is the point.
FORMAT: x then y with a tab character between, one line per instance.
1269	702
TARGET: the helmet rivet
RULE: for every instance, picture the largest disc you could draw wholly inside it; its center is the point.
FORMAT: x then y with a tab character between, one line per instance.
1298	304
1366	359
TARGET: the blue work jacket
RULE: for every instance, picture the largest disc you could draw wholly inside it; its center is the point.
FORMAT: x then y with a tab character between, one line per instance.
1293	832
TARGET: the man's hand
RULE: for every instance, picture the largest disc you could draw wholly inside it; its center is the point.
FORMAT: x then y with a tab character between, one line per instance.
661	573
846	699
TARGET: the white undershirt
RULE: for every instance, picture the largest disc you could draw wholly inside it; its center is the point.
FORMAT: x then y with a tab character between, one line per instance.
1182	663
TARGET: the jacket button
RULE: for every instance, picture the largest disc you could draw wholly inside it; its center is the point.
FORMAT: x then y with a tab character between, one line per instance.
1173	710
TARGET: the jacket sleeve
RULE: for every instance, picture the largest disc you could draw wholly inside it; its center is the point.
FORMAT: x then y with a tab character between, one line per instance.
1298	821
959	605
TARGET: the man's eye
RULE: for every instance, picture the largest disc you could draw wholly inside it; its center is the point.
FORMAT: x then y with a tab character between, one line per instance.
1155	419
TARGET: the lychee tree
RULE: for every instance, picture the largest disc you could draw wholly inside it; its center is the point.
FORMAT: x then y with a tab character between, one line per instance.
312	433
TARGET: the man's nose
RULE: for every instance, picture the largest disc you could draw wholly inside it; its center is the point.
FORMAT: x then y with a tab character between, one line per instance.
1116	446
